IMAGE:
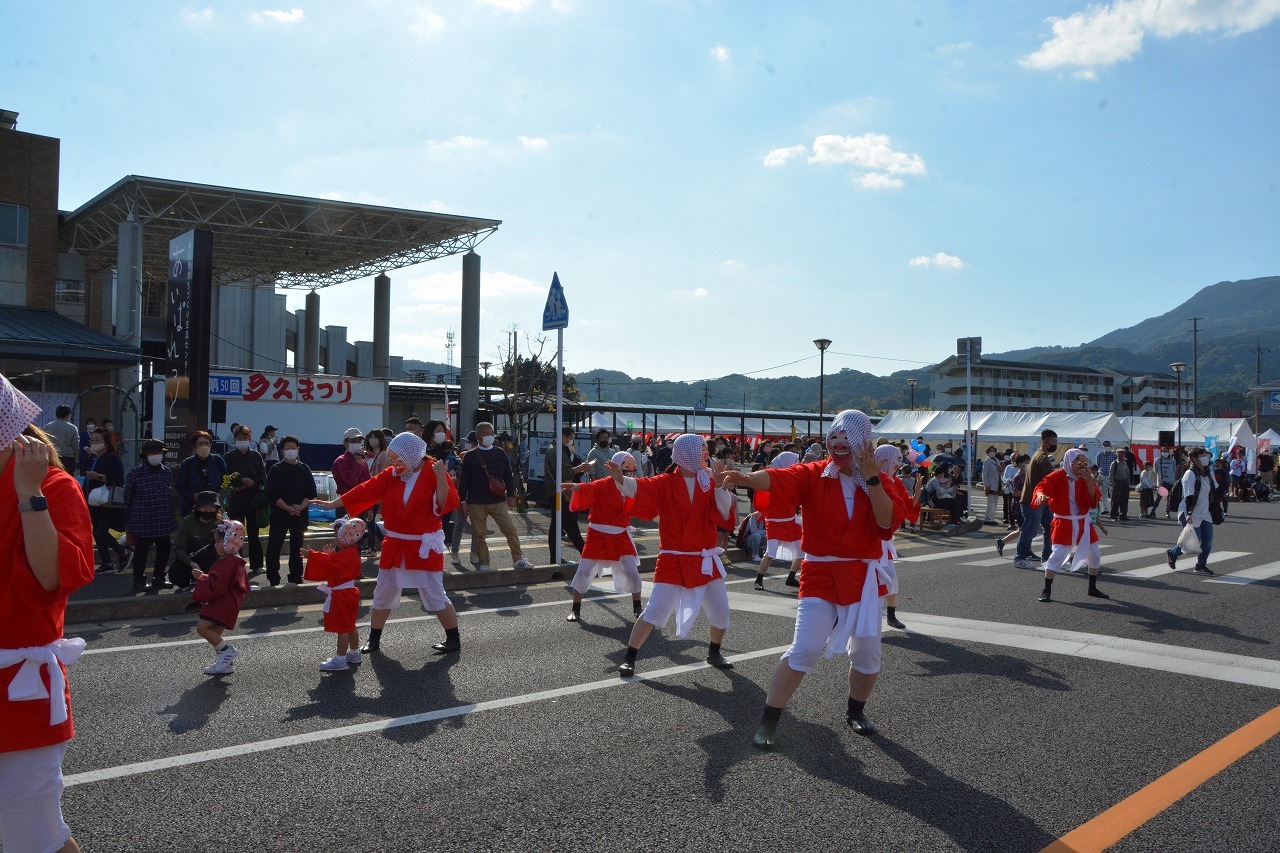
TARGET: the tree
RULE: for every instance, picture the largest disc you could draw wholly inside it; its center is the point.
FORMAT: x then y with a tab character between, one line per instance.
529	382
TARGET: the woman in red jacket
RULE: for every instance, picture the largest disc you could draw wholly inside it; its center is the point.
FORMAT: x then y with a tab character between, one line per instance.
1071	494
609	543
46	553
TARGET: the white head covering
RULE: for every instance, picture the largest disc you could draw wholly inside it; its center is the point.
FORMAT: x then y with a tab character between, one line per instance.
889	457
857	429
17	412
620	457
348	531
785	459
1069	459
686	451
410	449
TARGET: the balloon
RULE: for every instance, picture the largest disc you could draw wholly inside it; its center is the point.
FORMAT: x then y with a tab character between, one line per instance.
1162	492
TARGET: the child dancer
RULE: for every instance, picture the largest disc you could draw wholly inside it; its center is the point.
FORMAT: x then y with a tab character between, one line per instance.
781	525
337	571
609	542
221	590
689	575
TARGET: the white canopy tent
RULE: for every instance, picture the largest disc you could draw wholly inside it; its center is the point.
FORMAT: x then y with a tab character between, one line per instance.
1271	436
1146	430
1004	427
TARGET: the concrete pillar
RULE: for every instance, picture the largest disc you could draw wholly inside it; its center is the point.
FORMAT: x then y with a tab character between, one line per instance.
335	350
311	340
382	326
469	394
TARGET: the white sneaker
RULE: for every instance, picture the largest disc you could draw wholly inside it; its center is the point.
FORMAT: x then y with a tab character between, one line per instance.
481	567
354	657
336	663
230	653
220	667
522	563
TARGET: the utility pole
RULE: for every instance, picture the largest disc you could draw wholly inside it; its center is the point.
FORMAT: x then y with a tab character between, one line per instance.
1258	351
706	394
1195	365
598	382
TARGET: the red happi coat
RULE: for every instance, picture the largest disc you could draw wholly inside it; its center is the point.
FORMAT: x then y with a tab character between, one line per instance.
420	516
222	590
32	616
605	505
770	508
1065	531
830	532
333	570
683	525
898	492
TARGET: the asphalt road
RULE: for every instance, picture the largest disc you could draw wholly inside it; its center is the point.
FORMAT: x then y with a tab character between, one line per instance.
1005	723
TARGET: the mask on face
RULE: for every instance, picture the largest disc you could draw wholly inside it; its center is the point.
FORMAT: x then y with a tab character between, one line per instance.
97	446
291	453
354	446
243	445
439	437
1053	448
206	516
486	442
203	451
374	441
1164	454
604	442
155	459
90	427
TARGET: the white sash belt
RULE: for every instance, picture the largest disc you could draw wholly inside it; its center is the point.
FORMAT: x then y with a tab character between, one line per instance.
330	590
27	685
606	528
1080	536
710	559
433	541
795	518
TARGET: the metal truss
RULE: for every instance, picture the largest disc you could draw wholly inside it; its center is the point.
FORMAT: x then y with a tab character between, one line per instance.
293	241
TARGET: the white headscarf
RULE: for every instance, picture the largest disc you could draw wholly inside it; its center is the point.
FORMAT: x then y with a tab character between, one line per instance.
620	457
686	451
857	429
1071	456
785	459
889	457
410	449
17	412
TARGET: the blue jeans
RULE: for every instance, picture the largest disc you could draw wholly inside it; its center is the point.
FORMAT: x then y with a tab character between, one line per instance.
1205	532
1034	518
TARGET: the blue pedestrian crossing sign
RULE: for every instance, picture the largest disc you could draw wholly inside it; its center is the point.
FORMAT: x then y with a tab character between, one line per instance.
555	314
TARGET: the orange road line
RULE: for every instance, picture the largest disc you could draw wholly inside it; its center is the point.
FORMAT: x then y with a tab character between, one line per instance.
1108	828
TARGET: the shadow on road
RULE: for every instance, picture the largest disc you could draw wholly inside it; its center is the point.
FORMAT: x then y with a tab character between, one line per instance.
196	705
950	659
1159	621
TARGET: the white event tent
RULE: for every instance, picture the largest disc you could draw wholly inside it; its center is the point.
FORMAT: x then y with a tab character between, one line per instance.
1146	430
1004	427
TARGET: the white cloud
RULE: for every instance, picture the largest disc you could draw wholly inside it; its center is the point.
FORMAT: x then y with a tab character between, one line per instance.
1105	34
696	293
939	259
873	151
877	181
453	144
778	156
507	5
720	54
203	16
952	49
534	143
278	16
426	23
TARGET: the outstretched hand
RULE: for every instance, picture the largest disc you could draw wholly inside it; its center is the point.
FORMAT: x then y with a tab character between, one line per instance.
867	463
734	477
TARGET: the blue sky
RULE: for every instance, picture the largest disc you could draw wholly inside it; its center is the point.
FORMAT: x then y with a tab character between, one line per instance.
717	183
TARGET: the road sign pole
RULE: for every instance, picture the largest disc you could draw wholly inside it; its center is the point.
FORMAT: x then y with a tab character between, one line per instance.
559	527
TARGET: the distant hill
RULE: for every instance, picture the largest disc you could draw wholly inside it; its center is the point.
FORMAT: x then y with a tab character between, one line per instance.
1226	310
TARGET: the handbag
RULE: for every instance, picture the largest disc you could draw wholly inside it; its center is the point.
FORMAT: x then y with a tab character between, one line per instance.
1189	540
496	487
107	496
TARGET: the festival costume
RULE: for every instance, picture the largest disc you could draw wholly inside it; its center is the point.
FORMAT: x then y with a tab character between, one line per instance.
608	542
337	574
781	527
1073	529
222	590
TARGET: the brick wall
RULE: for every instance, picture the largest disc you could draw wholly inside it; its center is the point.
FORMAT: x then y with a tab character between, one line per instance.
29	176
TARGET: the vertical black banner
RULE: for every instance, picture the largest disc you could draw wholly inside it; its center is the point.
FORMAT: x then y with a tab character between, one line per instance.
189	302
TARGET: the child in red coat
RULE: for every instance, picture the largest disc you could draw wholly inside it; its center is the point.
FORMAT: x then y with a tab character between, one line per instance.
222	590
337	571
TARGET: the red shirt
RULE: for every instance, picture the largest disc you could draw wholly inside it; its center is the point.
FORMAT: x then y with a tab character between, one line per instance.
349	471
771	508
607	506
420	515
30	616
1064	531
335	569
684	524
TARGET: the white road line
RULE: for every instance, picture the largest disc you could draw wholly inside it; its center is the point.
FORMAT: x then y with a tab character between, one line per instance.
205	756
1163	568
1108	559
947	555
1257	573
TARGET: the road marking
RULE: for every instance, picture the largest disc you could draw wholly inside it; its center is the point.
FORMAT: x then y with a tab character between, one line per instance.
1258	573
946	555
1163	568
205	756
1002	561
1108	828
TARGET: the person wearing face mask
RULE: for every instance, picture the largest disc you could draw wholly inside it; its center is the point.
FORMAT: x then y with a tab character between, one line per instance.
192	543
609	544
691	502
106	469
1015	483
1036	518
991	483
202	471
414	491
571	466
148	502
1167	473
248	474
436	435
599	455
1200	508
85	439
290	490
349	470
848	516
267	447
1071	492
485	469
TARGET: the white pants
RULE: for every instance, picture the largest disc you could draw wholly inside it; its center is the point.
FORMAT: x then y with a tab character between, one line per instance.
1058	557
626	574
430	586
31	805
713	599
815	619
783	551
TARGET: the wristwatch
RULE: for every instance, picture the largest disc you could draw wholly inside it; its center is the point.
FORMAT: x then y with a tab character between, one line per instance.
873	480
36	503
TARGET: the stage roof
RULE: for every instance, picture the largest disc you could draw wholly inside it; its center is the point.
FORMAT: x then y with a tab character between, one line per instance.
259	236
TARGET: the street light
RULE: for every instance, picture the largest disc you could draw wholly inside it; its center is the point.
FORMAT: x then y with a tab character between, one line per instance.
911	384
485	365
821	344
1178	367
1084	398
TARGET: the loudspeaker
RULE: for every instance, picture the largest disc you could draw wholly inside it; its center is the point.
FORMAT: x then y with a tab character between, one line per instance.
1166	438
218	412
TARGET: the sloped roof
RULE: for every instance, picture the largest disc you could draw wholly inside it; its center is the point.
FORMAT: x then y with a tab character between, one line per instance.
34	333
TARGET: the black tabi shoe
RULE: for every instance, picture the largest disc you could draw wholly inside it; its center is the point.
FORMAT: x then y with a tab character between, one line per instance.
626	670
447	646
894	623
1045	597
1094	592
572	617
766	736
719	661
792	580
371	648
760	586
860	724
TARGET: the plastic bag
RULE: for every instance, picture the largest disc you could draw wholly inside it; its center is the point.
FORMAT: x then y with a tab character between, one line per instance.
1189	540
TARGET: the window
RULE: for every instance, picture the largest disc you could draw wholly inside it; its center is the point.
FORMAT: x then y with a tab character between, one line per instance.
69	292
13	224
